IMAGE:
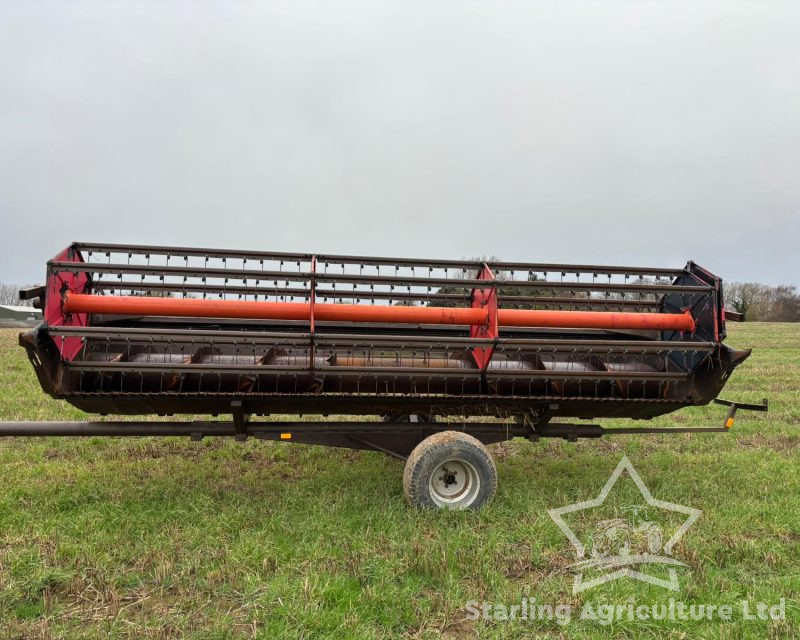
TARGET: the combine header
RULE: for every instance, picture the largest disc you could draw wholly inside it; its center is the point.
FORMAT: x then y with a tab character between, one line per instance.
445	356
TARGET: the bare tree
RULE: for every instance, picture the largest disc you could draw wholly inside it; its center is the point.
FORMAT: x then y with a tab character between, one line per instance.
508	292
760	302
9	294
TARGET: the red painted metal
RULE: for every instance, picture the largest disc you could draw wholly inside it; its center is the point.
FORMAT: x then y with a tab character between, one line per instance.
54	312
485	299
188	307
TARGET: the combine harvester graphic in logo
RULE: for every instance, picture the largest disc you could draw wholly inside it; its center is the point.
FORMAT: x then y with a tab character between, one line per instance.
617	545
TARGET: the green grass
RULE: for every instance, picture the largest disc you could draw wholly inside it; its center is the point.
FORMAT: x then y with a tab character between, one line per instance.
163	538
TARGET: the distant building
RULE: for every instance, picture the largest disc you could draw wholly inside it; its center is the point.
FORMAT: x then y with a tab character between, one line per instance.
17	316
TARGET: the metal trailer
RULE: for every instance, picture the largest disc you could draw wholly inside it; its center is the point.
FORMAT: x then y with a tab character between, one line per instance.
440	357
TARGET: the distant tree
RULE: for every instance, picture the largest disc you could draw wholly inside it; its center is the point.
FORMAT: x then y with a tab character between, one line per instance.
760	302
742	296
463	293
506	292
9	294
785	304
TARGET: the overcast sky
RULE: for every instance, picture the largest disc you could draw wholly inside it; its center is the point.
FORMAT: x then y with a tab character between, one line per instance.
609	132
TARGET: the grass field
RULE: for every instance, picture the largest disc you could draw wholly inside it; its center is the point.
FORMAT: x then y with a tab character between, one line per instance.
163	538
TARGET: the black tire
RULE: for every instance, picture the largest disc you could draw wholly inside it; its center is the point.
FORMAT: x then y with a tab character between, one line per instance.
449	470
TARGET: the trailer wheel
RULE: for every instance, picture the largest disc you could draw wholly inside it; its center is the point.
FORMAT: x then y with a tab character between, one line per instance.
449	470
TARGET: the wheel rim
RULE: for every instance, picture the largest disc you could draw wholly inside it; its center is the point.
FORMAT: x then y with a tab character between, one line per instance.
454	484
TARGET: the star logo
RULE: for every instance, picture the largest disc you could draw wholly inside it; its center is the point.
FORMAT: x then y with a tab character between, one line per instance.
615	539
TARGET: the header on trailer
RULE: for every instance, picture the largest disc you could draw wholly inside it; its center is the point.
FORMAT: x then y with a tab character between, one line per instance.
491	349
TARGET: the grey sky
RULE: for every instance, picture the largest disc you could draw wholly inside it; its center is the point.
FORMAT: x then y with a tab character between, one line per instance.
611	132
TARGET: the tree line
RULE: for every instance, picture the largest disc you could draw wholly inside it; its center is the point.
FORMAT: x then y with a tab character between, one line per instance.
9	294
763	303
